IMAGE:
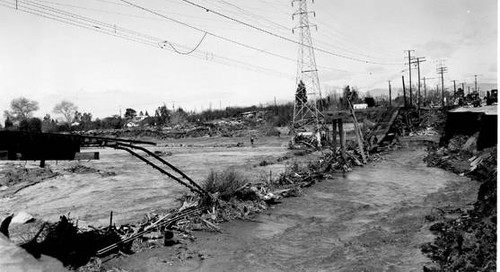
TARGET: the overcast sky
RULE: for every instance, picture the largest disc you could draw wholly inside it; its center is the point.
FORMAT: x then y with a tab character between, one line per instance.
48	61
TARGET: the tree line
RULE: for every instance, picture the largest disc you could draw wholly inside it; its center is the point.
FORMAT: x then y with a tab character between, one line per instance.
20	115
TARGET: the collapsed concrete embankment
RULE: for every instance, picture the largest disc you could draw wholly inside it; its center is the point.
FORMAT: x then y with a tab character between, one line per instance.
469	121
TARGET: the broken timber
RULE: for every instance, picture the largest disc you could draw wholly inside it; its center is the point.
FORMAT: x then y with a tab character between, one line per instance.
382	130
359	134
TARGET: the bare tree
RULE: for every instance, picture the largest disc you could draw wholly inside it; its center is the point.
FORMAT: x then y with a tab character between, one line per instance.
21	109
67	109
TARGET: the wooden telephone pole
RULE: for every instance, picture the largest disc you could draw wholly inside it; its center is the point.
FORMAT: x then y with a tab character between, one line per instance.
390	98
418	61
409	73
404	90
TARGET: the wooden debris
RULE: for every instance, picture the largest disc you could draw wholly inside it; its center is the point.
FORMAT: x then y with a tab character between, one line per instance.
211	225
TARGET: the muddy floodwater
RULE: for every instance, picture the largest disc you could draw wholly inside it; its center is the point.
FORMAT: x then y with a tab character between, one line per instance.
129	187
371	219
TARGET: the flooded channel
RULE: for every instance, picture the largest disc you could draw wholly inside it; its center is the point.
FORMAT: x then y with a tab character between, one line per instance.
371	219
134	189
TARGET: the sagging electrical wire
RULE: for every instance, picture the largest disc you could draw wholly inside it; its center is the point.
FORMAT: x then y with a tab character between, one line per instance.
162	45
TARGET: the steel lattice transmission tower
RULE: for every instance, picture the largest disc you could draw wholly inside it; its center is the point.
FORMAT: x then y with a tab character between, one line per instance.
308	91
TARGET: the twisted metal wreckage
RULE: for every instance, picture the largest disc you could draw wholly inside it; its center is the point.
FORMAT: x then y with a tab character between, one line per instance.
20	145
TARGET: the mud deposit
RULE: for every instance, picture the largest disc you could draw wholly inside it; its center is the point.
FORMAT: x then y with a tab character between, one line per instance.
371	219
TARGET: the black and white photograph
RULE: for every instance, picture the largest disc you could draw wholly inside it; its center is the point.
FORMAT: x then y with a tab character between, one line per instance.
253	136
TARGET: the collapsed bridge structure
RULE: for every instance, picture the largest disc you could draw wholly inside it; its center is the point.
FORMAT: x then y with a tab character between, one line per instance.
27	146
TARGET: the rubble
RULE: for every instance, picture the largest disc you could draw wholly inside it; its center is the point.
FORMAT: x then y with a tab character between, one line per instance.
228	127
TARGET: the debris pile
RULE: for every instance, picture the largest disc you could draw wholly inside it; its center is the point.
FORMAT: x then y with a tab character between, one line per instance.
62	240
75	246
459	155
232	127
337	161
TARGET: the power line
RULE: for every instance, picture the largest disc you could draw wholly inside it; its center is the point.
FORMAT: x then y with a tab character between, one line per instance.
332	29
258	18
113	30
216	35
115	12
281	36
191	51
202	30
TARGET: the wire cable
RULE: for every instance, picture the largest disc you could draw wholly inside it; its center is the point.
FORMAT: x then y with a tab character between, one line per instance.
189	52
258	19
113	30
281	36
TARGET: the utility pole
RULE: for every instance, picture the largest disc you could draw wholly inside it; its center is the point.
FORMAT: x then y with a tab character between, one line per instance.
425	90
418	61
463	87
437	89
390	94
275	106
441	69
454	88
409	73
307	79
404	90
475	83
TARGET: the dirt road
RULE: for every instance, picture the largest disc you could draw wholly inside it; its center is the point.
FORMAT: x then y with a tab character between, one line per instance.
369	220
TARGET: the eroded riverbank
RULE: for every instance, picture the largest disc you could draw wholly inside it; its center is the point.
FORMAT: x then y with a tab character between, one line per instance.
371	219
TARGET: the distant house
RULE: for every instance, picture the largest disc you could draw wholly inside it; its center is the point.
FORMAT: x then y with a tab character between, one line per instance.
140	121
131	124
360	106
253	114
249	114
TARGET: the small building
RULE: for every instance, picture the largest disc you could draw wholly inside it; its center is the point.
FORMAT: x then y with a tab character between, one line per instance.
131	124
249	114
360	106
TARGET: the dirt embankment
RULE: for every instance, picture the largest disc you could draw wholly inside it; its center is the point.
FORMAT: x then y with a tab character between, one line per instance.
465	236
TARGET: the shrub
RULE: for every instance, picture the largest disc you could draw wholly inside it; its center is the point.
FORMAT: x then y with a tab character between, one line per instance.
226	183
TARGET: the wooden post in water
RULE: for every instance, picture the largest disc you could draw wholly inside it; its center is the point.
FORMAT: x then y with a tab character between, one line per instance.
110	220
342	137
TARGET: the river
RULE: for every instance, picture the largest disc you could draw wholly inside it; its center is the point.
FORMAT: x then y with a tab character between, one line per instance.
371	219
